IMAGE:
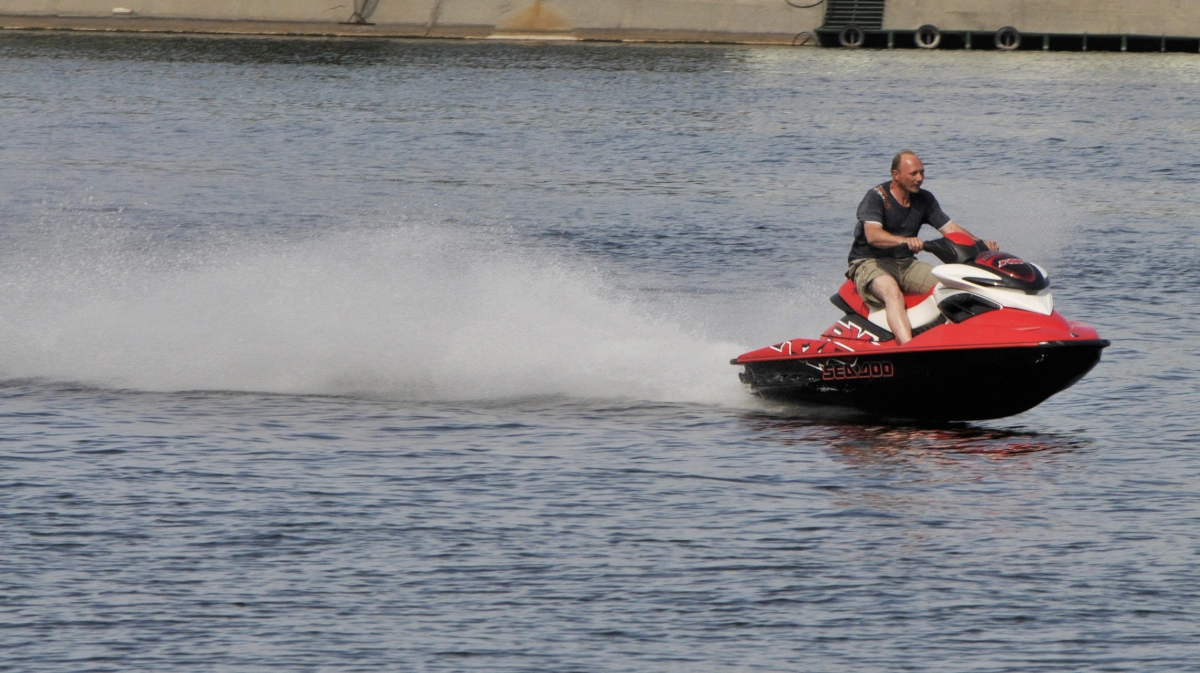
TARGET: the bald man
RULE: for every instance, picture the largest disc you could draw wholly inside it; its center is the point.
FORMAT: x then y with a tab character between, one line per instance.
883	259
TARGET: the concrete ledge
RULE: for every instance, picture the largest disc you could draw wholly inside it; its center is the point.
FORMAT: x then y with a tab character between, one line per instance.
209	27
212	27
805	38
411	30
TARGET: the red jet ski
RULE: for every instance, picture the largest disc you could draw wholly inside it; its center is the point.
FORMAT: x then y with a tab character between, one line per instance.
987	343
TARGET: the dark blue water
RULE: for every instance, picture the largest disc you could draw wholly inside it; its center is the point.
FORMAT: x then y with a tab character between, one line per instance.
323	355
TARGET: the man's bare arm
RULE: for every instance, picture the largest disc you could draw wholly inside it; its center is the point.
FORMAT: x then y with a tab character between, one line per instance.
880	238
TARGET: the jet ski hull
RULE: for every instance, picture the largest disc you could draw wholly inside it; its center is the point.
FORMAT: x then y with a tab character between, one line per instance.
928	384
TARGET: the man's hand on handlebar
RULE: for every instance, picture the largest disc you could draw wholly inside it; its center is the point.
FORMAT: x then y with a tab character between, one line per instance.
916	245
992	245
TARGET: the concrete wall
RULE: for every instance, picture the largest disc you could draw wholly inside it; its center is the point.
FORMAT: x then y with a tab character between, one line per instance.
701	20
1131	17
749	21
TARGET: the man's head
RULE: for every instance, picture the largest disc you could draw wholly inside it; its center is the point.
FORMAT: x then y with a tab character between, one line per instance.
907	171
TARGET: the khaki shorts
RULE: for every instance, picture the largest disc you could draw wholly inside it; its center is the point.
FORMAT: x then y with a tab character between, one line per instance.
914	277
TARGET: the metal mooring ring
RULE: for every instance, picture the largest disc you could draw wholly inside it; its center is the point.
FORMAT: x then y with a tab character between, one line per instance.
928	36
852	37
804	37
1008	38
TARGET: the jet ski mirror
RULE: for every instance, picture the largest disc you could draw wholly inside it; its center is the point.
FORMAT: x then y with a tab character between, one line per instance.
951	252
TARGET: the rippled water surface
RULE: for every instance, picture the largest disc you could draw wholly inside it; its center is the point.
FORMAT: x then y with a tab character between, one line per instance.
412	356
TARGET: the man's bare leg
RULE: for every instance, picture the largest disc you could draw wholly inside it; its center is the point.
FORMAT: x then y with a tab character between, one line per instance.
887	289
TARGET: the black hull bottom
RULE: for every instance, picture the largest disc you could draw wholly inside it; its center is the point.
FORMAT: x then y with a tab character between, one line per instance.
943	385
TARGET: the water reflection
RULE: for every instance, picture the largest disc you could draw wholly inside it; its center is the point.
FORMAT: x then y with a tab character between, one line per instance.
872	443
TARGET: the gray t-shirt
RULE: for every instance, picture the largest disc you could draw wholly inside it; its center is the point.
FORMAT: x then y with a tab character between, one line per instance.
880	206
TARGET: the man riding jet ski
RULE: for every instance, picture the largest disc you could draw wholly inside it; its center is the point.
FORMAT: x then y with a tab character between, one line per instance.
974	338
883	259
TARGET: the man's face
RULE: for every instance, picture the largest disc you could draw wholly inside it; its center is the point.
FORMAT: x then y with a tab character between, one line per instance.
910	175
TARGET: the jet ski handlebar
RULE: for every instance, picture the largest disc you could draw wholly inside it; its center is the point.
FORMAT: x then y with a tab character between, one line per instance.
952	252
